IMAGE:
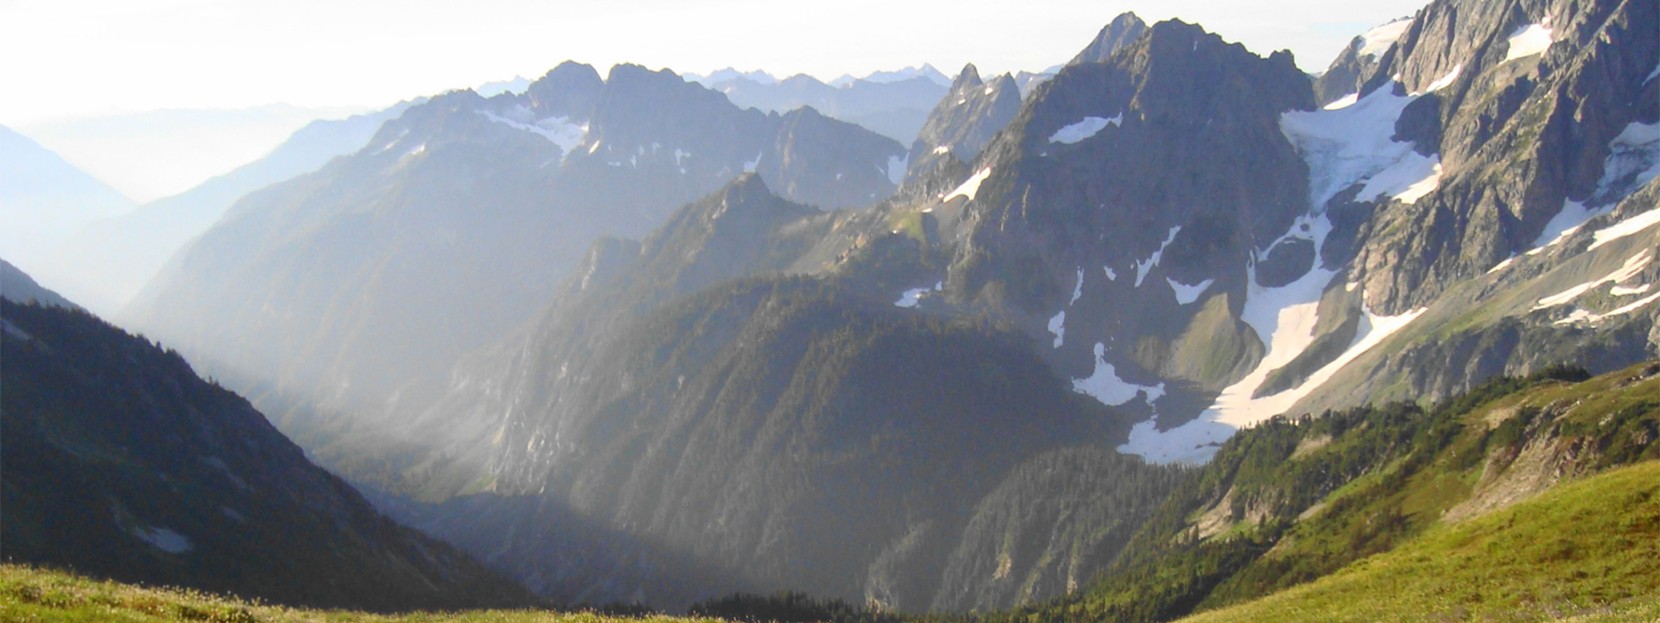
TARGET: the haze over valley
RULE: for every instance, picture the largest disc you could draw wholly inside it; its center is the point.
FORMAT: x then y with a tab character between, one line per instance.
1073	311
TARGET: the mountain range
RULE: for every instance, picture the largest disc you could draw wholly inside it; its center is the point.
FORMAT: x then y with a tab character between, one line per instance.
1177	328
121	462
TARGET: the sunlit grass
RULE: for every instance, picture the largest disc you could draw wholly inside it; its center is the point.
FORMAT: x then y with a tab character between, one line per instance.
29	594
1586	551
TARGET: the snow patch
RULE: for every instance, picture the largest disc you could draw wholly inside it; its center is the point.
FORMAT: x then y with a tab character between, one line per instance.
1444	81
749	167
1354	144
1528	40
1187	294
1568	220
1142	267
971	187
163	539
1409	180
1057	327
896	168
1105	385
910	297
1193	443
942	149
1378	40
1502	265
1111	274
1632	291
1588	317
558	130
1633	266
1077	290
394	142
1081	130
1626	227
1237	408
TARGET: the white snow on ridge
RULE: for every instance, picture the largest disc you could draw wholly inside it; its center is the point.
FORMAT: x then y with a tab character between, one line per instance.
1105	385
1090	126
1568	220
1630	291
942	149
1528	40
1444	81
1077	290
1142	267
1188	293
749	167
1378	39
970	187
1633	266
1626	227
1345	146
1502	265
1586	316
1633	161
558	130
1408	180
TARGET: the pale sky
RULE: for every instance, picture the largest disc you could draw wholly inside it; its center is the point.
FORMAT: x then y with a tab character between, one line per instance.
68	58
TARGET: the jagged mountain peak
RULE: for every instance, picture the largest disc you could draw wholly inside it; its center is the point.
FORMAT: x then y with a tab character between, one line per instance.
960	125
749	187
569	90
1117	34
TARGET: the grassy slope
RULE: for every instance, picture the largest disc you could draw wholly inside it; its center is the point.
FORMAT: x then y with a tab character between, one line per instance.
1589	549
1310	499
29	594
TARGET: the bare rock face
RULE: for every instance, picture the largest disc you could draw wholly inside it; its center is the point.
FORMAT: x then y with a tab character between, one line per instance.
1116	35
1130	194
1516	137
963	123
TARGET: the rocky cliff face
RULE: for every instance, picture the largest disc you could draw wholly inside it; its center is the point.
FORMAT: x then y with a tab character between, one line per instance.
1112	219
1116	35
1523	105
963	123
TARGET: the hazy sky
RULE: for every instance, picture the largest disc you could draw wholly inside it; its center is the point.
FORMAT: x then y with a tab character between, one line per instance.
83	57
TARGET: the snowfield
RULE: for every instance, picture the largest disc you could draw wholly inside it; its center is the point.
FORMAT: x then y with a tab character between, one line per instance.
971	187
1354	144
1090	126
1105	385
1528	40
